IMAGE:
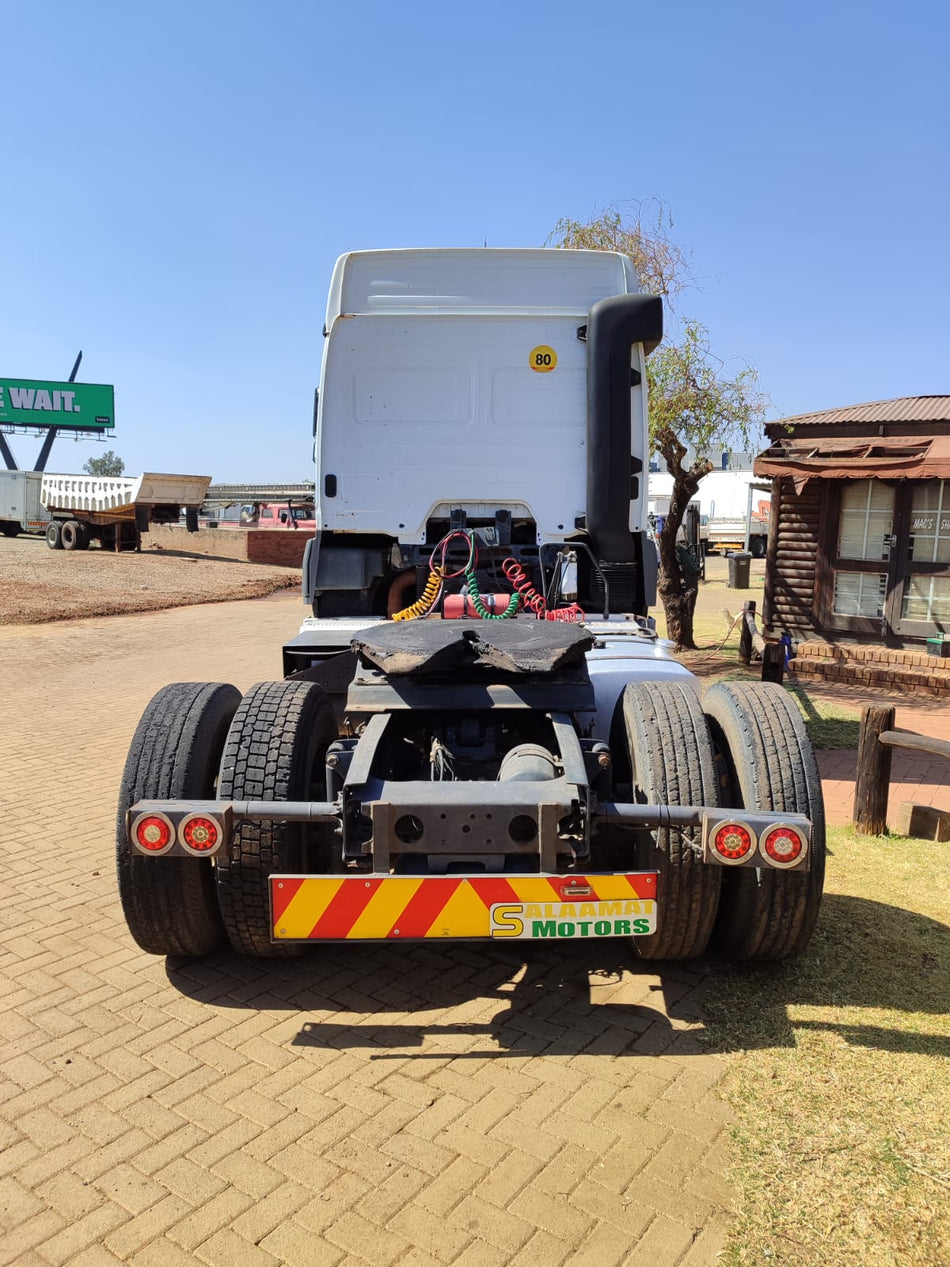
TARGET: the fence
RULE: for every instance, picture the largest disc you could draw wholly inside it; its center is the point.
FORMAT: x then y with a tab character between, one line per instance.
751	639
873	778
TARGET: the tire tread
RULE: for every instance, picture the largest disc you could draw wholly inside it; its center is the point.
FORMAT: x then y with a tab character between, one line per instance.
672	764
275	732
169	903
769	914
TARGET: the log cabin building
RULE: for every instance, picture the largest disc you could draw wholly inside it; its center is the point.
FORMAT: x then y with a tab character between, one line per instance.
858	562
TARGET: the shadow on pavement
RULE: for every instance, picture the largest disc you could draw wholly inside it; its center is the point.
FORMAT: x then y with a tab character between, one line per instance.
537	1001
479	1000
864	955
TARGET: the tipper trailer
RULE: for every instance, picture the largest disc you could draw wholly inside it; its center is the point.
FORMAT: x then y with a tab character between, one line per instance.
73	510
478	733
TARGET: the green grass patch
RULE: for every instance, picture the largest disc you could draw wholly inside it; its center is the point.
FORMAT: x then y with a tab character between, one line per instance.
840	1073
828	725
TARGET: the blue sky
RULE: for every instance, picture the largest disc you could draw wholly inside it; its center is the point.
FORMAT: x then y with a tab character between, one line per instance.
178	178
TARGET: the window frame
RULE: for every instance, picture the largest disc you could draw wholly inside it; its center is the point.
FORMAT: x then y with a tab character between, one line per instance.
898	567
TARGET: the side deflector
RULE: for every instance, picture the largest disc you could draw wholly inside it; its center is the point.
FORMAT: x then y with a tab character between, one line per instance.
614	326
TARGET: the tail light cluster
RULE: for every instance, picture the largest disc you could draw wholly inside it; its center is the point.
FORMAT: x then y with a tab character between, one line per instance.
746	841
195	834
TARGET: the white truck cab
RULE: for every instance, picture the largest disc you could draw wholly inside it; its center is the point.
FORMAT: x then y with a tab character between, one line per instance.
498	390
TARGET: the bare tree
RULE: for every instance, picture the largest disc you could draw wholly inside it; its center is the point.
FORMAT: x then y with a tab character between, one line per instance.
642	231
694	406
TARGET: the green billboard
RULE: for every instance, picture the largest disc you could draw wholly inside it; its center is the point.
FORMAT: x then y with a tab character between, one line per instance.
28	402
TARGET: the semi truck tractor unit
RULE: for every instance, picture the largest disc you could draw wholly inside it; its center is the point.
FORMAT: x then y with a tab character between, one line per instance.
477	732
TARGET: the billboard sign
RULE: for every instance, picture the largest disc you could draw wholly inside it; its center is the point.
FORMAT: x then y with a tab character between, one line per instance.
29	402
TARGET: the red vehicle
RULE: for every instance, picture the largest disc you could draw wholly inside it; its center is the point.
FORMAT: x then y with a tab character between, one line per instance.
278	515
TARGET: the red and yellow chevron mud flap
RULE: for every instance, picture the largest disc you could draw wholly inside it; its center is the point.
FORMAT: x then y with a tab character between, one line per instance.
407	908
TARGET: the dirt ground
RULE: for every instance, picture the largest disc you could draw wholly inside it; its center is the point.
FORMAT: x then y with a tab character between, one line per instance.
717	606
38	584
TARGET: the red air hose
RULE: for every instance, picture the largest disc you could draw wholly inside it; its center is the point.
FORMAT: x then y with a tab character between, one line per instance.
534	601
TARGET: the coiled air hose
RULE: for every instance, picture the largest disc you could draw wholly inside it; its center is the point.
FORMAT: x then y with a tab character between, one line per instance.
474	594
525	593
523	587
534	601
430	596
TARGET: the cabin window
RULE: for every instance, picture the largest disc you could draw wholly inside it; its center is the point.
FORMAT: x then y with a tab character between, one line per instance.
890	558
860	594
930	524
927	598
866	522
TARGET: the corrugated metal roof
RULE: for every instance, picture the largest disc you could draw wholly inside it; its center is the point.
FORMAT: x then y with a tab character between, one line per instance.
891	457
903	409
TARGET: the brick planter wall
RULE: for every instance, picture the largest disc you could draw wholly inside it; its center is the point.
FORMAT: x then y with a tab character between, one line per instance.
887	668
248	545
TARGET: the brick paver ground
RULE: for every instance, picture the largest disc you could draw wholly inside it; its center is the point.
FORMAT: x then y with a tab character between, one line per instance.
399	1105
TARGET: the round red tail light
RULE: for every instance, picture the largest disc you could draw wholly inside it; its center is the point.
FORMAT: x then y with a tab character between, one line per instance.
200	834
783	846
153	832
733	843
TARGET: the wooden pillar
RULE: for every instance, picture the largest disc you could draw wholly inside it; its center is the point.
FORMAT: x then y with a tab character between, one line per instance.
773	663
873	778
771	553
745	634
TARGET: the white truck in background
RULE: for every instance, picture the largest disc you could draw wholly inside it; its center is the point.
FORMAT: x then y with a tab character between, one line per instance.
726	509
20	507
73	510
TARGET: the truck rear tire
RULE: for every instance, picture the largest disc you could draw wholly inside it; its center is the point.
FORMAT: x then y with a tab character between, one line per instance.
54	535
9	528
275	751
672	763
170	904
768	764
758	547
74	535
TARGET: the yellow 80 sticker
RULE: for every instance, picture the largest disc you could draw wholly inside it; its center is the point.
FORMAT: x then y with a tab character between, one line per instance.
542	359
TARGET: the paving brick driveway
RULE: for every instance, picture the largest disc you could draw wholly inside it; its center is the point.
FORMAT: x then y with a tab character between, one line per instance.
380	1105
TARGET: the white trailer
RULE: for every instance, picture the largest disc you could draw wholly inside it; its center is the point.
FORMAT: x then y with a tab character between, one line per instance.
116	510
73	510
20	507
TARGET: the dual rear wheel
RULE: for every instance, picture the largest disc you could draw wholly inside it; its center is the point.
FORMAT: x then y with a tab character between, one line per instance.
67	534
200	741
745	747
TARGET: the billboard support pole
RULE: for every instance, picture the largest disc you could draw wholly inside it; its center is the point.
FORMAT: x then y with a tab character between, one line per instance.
7	453
51	434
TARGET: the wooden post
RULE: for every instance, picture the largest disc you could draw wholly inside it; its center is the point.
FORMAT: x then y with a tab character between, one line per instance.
771	552
773	662
745	634
872	782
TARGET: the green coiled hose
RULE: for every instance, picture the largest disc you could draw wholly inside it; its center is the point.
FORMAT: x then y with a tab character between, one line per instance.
480	607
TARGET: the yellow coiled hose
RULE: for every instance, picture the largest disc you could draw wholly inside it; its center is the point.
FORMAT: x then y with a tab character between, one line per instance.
422	606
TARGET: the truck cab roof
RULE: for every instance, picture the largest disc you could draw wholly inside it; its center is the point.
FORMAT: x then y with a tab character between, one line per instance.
470	280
